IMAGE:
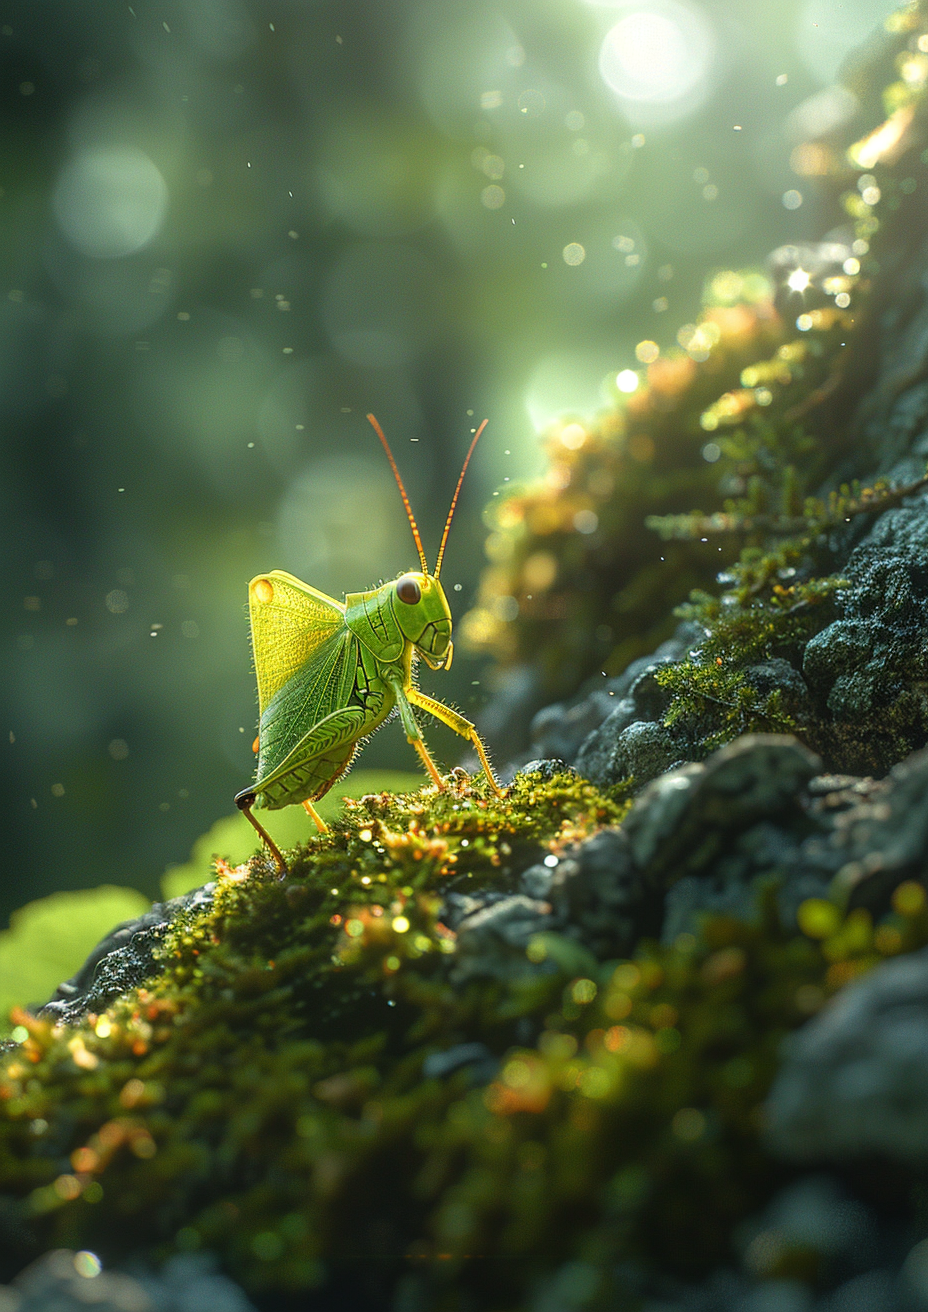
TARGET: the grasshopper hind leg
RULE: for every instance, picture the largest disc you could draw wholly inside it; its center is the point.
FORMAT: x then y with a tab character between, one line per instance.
458	723
245	801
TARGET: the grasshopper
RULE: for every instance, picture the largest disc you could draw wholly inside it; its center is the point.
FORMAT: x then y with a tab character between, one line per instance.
330	673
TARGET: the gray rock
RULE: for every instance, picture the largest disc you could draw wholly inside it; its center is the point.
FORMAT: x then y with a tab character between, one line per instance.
547	768
877	1291
854	1081
659	809
777	675
536	881
831	661
628	747
706	837
870	834
646	750
815	1223
596	757
561	730
599	895
457	907
122	960
777	1296
757	776
692	898
884	838
766	857
439	1064
812	1215
754	819
192	1282
627	737
54	1284
913	1279
64	1281
492	941
876	649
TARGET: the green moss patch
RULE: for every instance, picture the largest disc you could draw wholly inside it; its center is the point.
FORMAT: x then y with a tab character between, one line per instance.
264	1097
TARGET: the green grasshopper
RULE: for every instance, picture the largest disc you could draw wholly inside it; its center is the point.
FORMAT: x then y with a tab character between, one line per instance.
330	673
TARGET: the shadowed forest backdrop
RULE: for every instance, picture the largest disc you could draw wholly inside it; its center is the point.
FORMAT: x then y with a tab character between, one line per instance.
232	227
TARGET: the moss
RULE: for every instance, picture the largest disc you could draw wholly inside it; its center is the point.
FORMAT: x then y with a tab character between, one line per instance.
283	986
569	600
267	1095
264	1097
780	595
746	418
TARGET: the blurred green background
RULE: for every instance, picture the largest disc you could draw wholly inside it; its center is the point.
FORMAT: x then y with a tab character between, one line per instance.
232	227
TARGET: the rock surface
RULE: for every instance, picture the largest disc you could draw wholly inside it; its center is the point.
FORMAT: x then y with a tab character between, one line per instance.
708	836
754	829
876	649
586	730
861	1265
65	1281
854	1082
860	680
121	961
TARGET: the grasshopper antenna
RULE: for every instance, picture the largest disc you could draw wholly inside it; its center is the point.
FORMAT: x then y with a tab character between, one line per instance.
399	483
454	499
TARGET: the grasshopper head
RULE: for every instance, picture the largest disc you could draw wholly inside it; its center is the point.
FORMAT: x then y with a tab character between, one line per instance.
419	601
422	612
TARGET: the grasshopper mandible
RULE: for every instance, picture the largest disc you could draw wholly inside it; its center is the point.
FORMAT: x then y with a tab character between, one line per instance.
329	673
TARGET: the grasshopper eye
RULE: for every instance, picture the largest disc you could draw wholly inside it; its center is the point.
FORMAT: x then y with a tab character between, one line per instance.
408	590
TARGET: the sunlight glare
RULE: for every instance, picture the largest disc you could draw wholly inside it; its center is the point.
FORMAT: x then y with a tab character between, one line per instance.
658	54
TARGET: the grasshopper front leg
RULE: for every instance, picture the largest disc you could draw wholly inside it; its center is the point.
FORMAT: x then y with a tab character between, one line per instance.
413	733
458	723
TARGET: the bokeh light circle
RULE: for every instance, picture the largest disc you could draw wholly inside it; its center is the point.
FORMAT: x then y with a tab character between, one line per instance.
659	53
110	201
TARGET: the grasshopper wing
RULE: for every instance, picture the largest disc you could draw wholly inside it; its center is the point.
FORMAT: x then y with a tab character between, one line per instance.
290	621
315	711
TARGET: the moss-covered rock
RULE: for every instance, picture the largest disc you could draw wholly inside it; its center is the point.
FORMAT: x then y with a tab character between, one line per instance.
516	1053
450	1049
813	479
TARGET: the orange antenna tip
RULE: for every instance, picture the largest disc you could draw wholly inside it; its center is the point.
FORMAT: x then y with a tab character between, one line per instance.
399	483
454	499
